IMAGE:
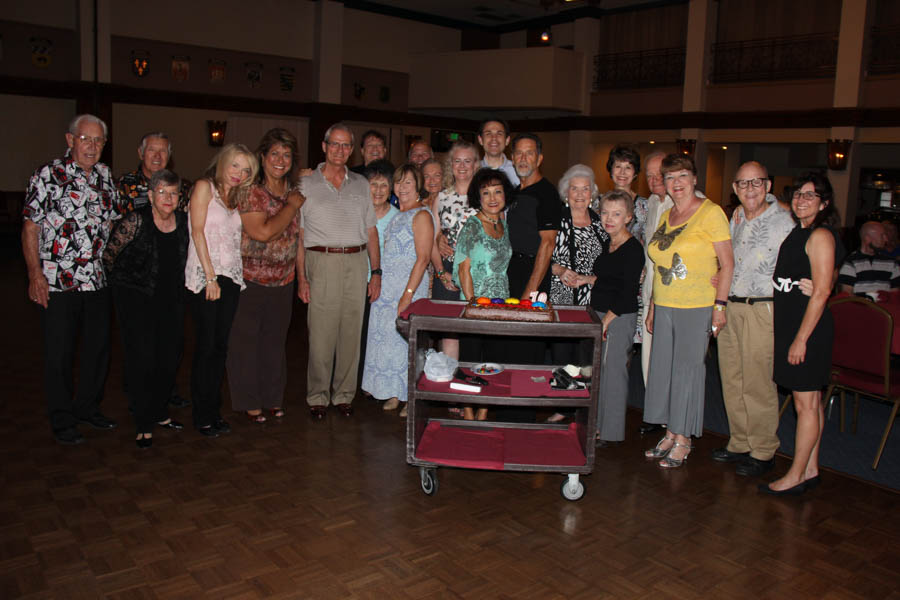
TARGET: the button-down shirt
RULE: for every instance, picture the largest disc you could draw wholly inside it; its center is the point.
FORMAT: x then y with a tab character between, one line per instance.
135	185
508	169
74	210
336	217
756	243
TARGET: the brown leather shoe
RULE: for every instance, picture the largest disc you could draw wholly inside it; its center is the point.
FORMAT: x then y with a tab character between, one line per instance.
317	412
345	409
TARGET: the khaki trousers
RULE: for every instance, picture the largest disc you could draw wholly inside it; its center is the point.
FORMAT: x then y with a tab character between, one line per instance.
337	290
746	349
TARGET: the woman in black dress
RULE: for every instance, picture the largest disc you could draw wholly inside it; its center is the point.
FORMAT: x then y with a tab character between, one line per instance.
145	260
804	329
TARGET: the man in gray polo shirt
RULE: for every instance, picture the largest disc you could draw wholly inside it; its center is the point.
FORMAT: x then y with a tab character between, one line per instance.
337	231
746	344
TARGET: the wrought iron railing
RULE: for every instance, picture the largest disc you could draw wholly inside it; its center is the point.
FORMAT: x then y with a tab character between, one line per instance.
796	57
884	53
645	68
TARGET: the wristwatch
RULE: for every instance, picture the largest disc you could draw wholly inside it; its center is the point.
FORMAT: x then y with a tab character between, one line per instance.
376	271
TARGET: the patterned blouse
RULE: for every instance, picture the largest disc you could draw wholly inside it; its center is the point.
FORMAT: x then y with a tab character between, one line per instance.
488	259
453	211
587	243
269	263
636	228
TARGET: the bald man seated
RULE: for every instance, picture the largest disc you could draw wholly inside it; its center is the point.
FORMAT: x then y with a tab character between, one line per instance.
869	270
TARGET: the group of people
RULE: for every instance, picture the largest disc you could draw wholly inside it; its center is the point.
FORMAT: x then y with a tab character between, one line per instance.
669	271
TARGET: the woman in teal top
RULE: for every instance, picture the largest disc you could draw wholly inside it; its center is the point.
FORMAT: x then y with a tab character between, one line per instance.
479	265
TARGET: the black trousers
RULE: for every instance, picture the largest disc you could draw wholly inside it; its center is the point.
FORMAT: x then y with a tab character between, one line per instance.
67	315
212	326
151	332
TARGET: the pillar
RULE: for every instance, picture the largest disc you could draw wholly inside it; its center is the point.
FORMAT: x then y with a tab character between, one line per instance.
587	41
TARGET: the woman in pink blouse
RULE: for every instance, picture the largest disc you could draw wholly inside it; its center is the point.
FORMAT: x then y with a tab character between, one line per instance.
214	275
257	366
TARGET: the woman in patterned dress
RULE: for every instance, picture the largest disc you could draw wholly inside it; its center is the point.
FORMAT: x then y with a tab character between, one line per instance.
407	249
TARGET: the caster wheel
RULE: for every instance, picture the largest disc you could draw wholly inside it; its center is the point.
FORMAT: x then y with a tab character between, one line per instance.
570	492
429	481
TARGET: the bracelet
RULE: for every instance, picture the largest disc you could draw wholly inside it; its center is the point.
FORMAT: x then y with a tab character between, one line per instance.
376	271
721	302
212	279
719	308
410	291
440	273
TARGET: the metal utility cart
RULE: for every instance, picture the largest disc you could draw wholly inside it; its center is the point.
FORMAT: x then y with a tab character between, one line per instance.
433	441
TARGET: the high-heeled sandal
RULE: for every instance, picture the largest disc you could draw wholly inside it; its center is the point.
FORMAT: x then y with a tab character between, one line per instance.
673	463
656	451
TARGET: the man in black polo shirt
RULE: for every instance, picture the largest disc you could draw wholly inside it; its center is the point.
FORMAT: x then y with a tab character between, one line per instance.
533	220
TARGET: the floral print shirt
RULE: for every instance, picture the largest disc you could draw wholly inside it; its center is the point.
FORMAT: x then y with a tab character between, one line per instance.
453	211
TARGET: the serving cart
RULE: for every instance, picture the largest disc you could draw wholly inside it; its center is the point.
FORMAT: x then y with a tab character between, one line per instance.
433	441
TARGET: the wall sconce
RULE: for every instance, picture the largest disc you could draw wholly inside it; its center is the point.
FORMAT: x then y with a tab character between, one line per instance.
838	152
686	146
216	132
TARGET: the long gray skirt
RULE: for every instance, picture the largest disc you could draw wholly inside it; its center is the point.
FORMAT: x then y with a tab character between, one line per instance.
676	383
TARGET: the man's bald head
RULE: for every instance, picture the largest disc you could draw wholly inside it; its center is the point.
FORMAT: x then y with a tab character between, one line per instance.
872	237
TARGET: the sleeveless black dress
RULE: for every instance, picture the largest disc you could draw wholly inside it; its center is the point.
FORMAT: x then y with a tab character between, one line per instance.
790	305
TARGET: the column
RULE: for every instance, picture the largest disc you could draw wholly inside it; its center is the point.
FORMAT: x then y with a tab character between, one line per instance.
700	35
587	40
328	48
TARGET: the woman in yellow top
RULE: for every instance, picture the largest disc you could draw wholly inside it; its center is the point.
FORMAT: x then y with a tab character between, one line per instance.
691	245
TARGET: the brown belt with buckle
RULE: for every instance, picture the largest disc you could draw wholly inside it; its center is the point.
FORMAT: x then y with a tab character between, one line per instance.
346	250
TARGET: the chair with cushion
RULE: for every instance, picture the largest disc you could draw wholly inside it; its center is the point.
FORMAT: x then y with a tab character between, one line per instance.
861	359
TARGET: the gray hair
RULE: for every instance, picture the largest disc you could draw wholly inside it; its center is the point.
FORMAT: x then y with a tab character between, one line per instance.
75	123
618	196
339	127
573	172
155	134
652	155
164	177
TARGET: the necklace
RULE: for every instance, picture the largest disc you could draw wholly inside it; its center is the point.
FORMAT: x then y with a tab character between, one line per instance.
495	222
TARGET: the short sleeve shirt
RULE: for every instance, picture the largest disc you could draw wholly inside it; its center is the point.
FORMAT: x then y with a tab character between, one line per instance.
756	244
268	263
74	210
334	217
508	169
684	259
536	208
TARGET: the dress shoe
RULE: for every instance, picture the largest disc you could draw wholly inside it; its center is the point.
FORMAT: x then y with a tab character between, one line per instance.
390	404
144	442
753	467
99	421
345	409
172	424
178	402
69	436
317	412
208	431
646	428
222	425
797	490
727	456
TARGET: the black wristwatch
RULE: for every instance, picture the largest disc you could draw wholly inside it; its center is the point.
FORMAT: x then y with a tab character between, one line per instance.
376	271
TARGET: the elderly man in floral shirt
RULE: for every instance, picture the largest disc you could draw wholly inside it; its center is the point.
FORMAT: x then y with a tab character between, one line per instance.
69	207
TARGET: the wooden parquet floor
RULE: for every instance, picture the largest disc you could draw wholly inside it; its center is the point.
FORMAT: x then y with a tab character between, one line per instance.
304	509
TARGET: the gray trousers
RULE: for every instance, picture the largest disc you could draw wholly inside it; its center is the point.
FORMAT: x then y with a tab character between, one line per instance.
676	384
614	378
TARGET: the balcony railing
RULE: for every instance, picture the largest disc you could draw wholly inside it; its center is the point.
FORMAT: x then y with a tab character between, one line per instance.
645	68
884	54
797	57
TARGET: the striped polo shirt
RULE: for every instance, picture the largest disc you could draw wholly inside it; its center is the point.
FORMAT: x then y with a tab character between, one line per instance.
869	273
336	217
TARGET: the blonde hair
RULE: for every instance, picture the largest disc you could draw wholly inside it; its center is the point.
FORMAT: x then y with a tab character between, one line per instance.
215	173
449	181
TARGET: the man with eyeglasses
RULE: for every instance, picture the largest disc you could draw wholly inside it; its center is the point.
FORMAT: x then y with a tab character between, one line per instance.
493	137
69	208
746	344
337	231
154	153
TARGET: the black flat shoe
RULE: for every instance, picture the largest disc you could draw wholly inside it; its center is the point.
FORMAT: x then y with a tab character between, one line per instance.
222	425
70	436
646	428
172	424
797	490
753	467
605	444
208	431
727	456
99	421
144	443
813	482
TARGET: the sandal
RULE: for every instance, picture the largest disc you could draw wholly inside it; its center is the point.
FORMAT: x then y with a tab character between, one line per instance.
673	463
277	412
257	418
659	452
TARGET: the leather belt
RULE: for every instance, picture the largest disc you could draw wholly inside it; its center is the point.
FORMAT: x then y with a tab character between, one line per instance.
346	250
743	300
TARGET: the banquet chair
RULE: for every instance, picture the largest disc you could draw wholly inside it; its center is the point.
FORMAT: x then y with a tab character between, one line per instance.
861	359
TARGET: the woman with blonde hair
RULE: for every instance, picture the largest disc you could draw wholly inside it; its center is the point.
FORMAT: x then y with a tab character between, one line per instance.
214	274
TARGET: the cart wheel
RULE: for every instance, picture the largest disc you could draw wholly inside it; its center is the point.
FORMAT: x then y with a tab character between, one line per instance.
429	481
571	488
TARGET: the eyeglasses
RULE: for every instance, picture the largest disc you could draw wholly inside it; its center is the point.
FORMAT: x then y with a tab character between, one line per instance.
755	182
341	145
88	140
805	195
164	192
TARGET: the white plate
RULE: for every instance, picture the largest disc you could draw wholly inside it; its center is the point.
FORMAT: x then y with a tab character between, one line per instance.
487	369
